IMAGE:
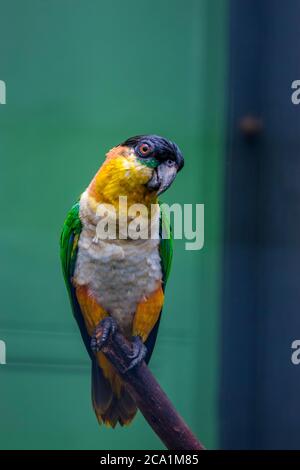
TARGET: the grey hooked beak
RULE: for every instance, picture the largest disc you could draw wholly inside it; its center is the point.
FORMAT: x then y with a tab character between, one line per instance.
163	177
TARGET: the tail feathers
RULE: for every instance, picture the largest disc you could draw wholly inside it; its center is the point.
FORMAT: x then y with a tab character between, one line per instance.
121	410
102	394
109	407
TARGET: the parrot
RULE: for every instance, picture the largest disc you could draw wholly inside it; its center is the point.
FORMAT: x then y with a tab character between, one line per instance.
120	282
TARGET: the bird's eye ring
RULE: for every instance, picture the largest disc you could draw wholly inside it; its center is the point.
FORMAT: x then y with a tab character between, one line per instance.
145	149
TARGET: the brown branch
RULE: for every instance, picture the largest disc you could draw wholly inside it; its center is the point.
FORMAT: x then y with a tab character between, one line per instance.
150	398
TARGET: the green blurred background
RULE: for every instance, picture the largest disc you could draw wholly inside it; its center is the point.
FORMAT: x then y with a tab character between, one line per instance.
81	76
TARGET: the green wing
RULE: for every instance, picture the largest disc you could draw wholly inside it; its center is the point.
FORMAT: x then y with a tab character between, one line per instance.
166	245
68	244
166	254
68	254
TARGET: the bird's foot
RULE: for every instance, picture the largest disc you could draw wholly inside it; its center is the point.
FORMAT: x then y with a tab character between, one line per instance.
138	352
103	331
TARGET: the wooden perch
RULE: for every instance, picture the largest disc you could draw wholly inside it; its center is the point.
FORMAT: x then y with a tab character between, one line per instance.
150	398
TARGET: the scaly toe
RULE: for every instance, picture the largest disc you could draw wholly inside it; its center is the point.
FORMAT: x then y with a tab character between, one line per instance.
139	352
103	331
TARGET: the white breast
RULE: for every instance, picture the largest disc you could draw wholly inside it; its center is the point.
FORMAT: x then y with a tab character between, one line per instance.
119	273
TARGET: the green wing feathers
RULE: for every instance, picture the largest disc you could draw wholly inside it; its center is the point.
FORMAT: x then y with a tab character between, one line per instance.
68	243
68	253
166	253
166	244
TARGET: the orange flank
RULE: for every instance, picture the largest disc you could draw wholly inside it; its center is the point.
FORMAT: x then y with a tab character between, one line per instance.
92	312
147	314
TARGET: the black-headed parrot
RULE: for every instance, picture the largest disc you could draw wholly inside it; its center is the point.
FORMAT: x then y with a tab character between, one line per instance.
120	280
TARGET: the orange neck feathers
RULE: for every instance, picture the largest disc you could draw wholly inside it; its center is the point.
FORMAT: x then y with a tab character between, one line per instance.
122	175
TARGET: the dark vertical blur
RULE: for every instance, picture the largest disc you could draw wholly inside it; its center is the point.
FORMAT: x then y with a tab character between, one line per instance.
260	386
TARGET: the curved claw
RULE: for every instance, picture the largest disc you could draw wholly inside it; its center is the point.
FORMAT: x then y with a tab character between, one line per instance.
103	331
138	354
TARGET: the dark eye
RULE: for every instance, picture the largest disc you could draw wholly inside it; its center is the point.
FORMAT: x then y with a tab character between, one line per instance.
145	149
